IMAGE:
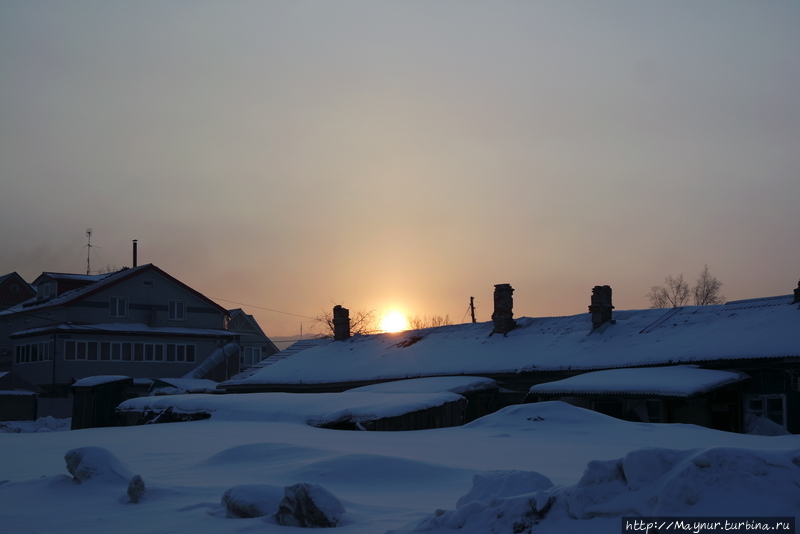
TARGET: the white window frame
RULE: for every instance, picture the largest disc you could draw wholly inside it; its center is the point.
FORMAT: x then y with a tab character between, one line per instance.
114	307
251	356
177	310
764	411
33	352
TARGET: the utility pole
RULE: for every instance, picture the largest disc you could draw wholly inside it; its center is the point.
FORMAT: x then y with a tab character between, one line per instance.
472	308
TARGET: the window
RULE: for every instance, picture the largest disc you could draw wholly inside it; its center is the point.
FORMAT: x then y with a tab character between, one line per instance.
180	353
250	356
177	310
33	352
772	407
80	350
148	283
109	351
118	307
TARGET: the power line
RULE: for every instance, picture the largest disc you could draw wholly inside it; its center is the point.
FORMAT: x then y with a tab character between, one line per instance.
262	308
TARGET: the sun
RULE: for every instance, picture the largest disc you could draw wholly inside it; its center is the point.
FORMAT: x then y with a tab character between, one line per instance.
394	321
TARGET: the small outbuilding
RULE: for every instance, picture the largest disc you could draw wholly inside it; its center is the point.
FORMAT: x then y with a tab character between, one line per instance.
674	394
96	400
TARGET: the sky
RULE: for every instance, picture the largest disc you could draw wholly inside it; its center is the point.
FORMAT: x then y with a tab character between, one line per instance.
407	155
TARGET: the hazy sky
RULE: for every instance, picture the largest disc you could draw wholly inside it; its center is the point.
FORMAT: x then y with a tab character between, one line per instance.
407	154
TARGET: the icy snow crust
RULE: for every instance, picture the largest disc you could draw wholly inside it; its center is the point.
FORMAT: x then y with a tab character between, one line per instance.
639	338
549	467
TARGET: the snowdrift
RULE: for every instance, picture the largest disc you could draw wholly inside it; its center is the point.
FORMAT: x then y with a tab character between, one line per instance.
720	481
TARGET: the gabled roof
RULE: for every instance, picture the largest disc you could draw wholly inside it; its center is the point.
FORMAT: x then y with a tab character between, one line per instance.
15	287
105	281
9	276
752	329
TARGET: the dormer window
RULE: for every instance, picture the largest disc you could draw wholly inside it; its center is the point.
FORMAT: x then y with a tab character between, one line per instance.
44	291
118	307
177	310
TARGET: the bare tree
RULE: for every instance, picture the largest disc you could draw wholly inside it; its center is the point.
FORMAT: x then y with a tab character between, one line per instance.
361	322
706	289
423	321
674	293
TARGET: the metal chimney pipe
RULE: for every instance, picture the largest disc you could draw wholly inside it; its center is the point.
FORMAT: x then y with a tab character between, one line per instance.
135	246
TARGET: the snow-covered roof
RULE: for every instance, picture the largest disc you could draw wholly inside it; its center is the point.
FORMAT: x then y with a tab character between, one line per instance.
291	350
124	328
185	385
99	282
675	381
72	276
435	384
316	409
90	381
760	328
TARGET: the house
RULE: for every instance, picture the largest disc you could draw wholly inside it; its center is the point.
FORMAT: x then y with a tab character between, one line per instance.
138	322
757	341
14	290
253	342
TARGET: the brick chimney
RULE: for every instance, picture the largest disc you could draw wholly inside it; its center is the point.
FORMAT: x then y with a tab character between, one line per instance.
341	323
503	316
601	306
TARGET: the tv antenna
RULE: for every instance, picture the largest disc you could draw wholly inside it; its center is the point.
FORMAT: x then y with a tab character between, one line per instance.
89	249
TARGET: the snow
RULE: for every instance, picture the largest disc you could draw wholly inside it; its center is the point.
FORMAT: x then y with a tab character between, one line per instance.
43	424
184	385
688	335
453	384
493	474
308	408
91	381
676	381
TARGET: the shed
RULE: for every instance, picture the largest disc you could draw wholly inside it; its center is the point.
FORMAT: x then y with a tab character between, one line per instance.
18	405
18	398
674	394
96	400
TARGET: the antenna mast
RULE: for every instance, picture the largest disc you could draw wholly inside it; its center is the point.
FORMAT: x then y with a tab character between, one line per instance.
89	249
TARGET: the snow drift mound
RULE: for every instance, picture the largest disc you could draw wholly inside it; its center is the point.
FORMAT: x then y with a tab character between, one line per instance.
550	414
96	463
700	482
647	482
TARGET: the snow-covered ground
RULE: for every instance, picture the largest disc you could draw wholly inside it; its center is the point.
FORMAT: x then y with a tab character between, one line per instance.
592	470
